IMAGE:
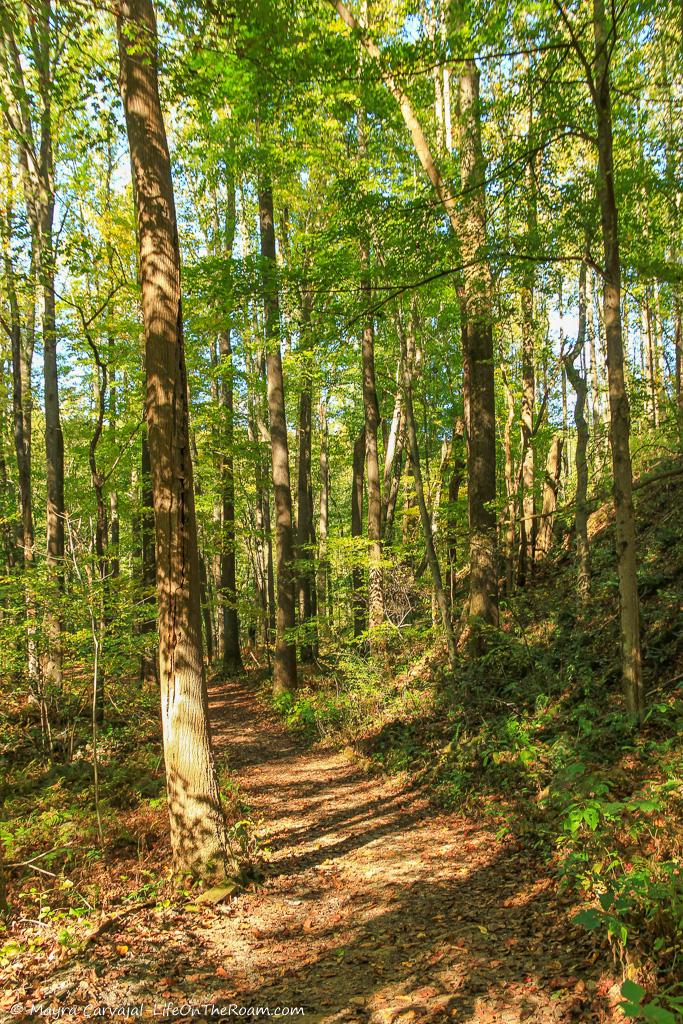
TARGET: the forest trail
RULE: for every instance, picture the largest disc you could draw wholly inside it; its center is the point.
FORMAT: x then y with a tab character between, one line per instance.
375	907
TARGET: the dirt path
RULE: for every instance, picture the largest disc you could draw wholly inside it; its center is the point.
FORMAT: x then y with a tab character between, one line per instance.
375	908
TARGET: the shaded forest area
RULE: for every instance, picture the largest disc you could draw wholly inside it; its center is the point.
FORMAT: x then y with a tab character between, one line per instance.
341	477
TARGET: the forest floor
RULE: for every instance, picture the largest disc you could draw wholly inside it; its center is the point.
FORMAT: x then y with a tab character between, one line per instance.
375	906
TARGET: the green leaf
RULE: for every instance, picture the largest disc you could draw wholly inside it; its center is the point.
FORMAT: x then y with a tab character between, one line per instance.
589	919
657	1014
634	993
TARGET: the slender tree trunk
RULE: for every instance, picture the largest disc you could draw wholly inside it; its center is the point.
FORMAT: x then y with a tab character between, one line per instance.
205	601
553	470
21	343
618	399
374	525
440	594
678	341
198	835
359	603
391	451
651	360
395	482
101	530
578	382
510	489
372	423
478	330
304	521
470	229
149	666
284	679
323	575
527	529
457	474
230	623
261	562
595	376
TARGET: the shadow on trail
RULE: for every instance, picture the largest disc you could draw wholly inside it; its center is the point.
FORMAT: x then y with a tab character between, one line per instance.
445	950
420	923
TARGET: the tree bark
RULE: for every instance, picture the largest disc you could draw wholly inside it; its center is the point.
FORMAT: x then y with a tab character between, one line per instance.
36	160
477	335
230	623
441	596
22	344
304	521
198	834
323	575
478	341
632	674
284	678
578	382
553	469
371	414
359	602
149	665
527	528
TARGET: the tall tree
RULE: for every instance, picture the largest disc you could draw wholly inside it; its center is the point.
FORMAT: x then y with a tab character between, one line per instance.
36	158
597	71
578	382
198	834
469	226
284	676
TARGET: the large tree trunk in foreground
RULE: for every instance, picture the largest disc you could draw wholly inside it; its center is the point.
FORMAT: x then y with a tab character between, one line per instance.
284	676
198	834
632	672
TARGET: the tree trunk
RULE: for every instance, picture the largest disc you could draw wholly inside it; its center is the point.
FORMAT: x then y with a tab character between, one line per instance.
440	595
651	361
476	291
284	678
618	398
198	835
38	176
149	664
457	473
527	526
478	340
230	623
392	452
359	603
304	520
596	416
578	382
22	343
374	524
553	469
510	489
323	575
